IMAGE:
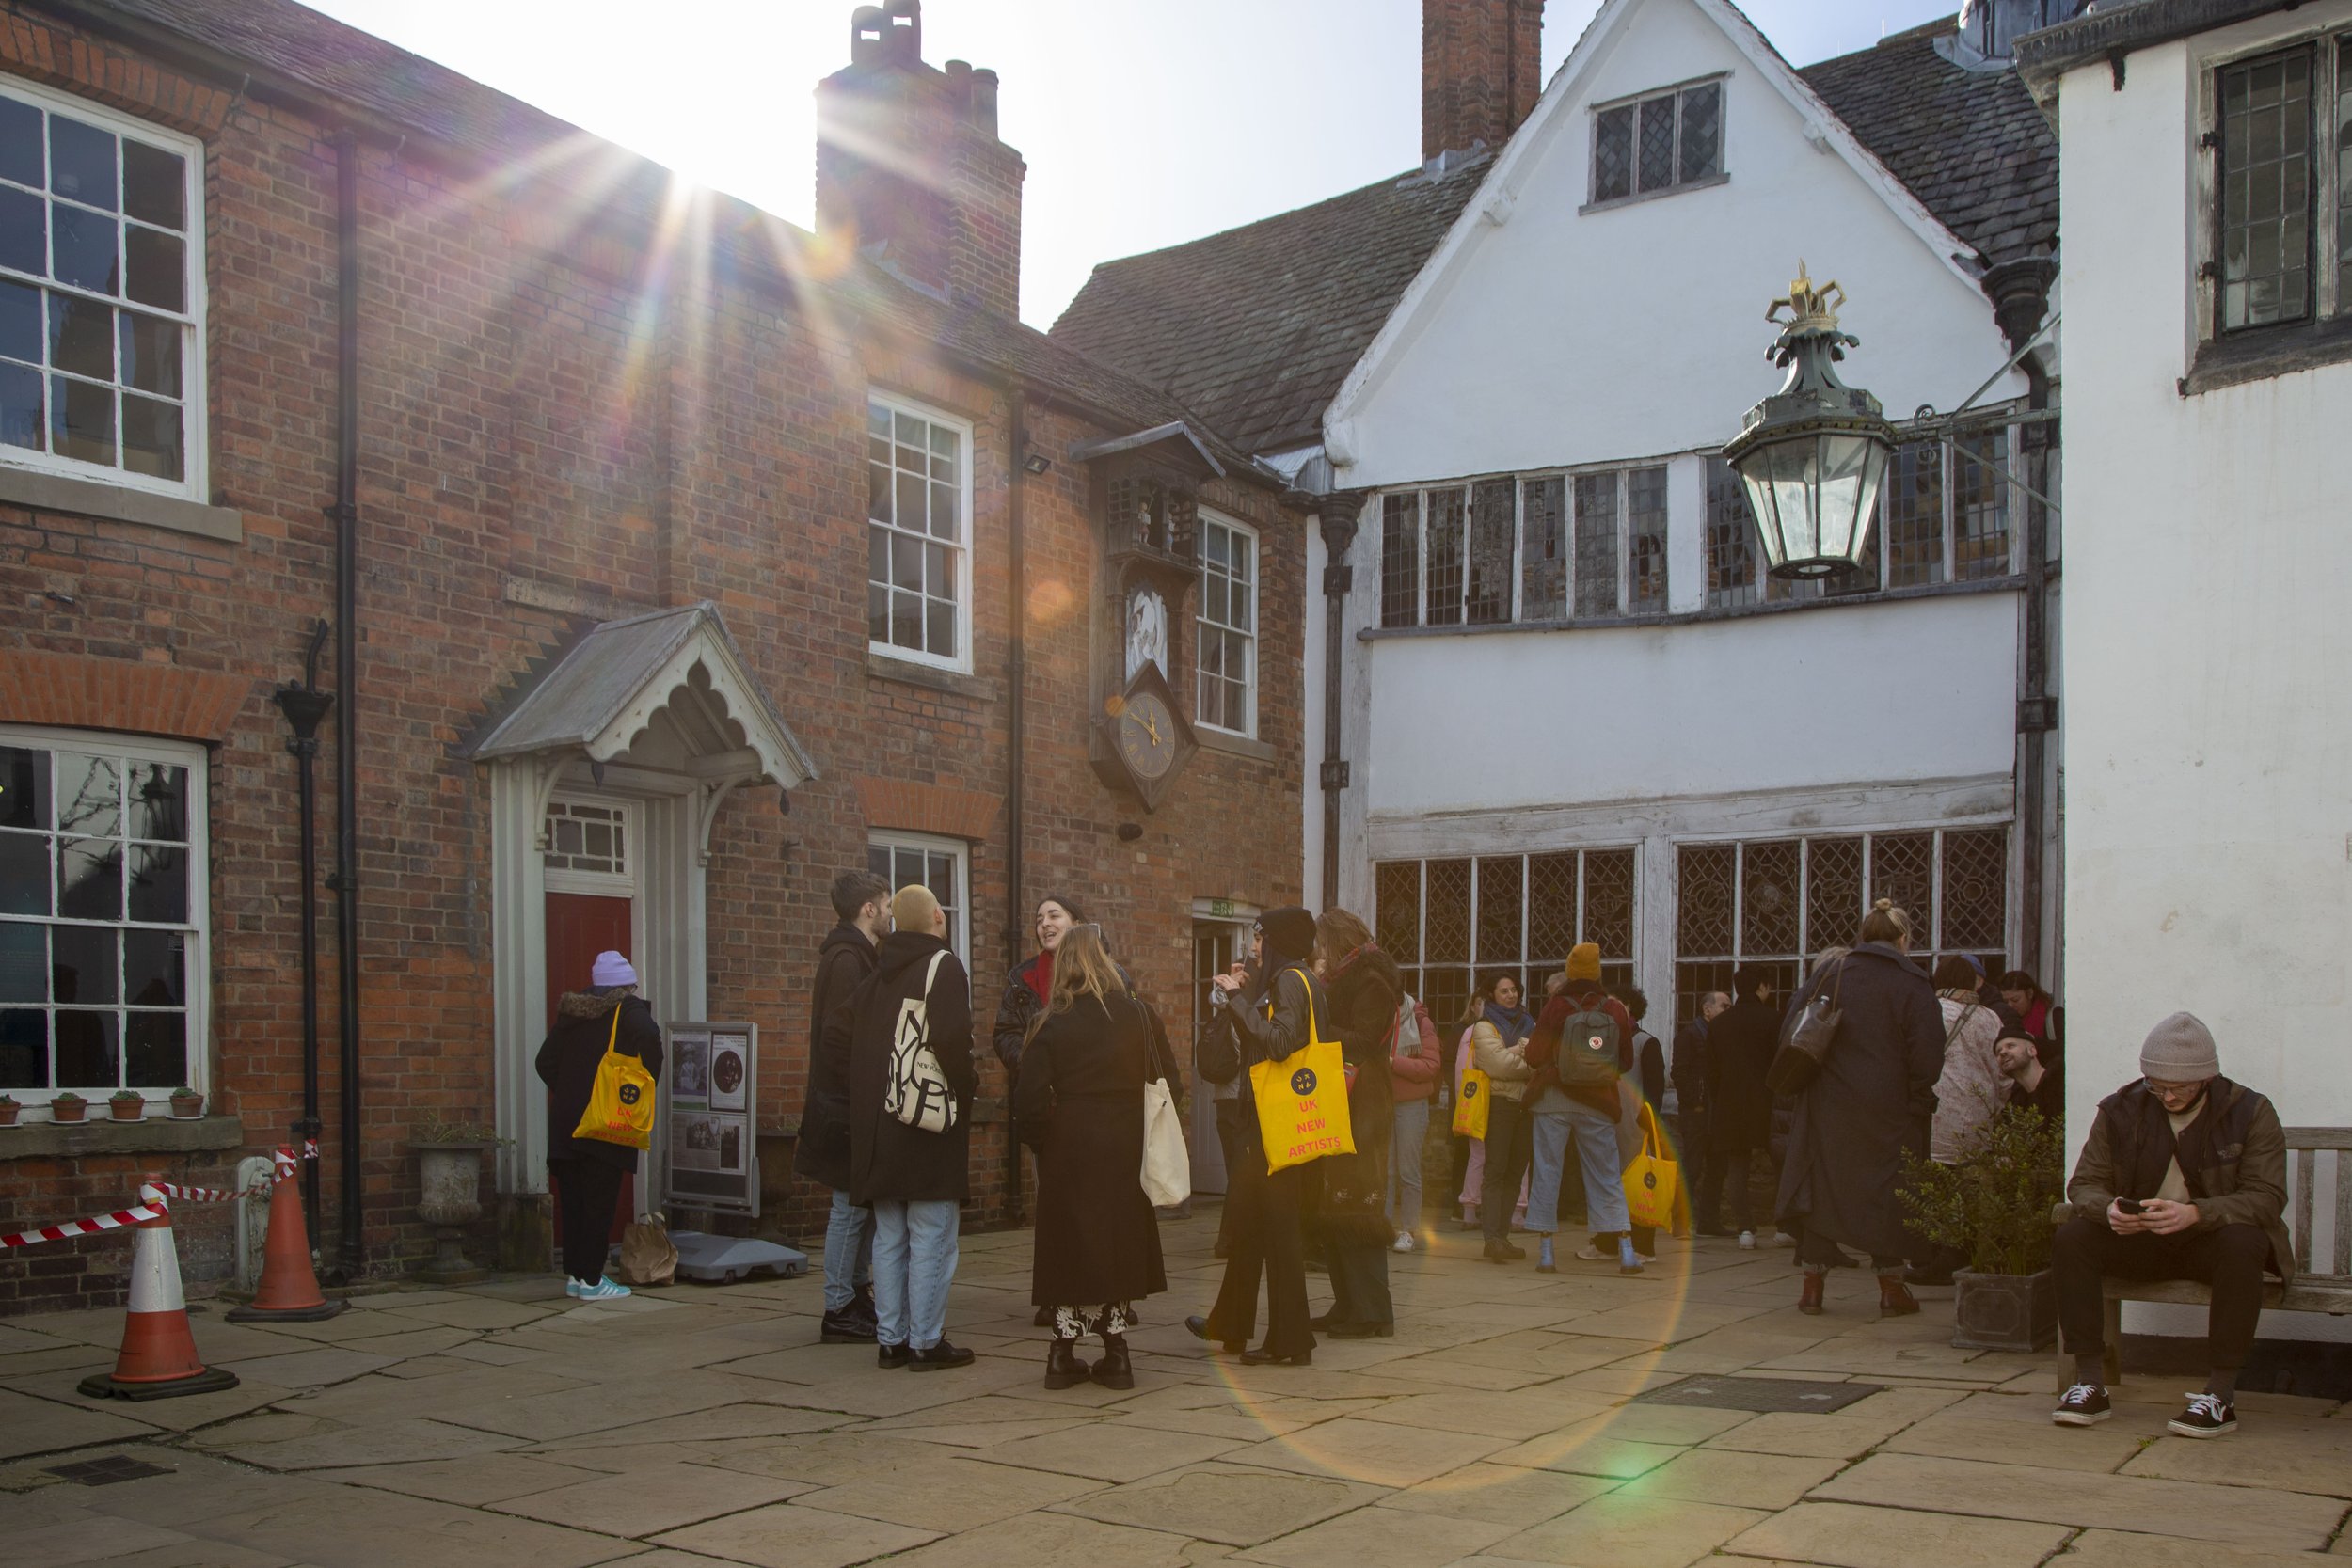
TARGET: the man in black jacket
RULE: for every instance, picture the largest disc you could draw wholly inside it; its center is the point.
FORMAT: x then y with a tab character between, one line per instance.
1740	1046
861	899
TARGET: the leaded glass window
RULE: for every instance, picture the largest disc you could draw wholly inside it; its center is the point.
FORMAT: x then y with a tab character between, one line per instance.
1596	544
1451	923
2267	190
1400	559
1486	588
1657	143
1646	541
1443	512
1544	549
1734	555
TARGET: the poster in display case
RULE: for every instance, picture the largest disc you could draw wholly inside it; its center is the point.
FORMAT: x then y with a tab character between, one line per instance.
711	1153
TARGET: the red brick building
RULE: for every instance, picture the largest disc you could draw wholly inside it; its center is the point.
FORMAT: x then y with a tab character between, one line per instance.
694	560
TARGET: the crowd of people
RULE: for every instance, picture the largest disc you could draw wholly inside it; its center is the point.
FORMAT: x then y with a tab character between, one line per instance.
2183	1175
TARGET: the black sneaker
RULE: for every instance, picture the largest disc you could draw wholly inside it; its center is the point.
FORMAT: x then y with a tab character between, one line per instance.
893	1355
939	1358
2207	1415
2084	1404
846	1327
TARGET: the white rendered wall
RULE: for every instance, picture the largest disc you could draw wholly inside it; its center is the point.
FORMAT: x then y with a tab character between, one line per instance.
1637	332
1909	690
2208	712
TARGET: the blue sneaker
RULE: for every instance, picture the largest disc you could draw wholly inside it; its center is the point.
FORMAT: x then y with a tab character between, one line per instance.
603	1289
1544	1264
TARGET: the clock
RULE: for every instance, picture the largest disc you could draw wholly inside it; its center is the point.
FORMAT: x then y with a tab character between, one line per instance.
1142	741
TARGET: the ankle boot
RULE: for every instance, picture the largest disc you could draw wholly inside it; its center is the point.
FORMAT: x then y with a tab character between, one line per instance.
1115	1371
1063	1369
1895	1297
1810	1301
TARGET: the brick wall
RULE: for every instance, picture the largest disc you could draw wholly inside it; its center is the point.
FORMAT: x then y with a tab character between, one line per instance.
1481	70
552	415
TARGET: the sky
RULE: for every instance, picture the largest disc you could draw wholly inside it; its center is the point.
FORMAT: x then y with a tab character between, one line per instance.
1144	122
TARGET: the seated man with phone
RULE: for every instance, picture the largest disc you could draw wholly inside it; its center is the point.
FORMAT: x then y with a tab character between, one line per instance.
2183	1177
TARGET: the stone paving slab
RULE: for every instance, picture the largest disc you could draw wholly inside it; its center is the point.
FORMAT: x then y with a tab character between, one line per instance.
1108	1451
1500	1495
788	1535
1740	1480
1846	1535
651	1499
941	1490
1355	1449
1613	1532
1391	1538
2296	1453
1231	1504
488	1478
2101	1549
2237	1515
29	1425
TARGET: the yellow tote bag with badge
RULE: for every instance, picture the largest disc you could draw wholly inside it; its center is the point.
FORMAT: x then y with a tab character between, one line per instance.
620	1107
1470	1104
1302	1100
1652	1179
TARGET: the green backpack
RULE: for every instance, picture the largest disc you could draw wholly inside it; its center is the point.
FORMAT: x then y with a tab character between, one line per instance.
1588	1046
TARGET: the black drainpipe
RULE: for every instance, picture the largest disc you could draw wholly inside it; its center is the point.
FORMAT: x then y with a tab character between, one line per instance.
2019	292
346	512
1017	680
304	706
1339	510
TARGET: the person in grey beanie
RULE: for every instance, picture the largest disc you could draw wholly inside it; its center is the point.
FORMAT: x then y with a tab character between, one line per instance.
2183	1177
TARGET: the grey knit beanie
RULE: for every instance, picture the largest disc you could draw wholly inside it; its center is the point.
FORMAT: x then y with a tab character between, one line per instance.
2180	1050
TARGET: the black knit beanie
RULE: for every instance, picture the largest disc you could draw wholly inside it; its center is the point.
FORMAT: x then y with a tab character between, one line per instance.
1290	933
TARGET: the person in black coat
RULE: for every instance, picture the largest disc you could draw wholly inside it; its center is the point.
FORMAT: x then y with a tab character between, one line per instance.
1740	1045
1080	1104
1266	1237
915	1181
1348	1192
1873	1100
587	1171
1026	989
821	1153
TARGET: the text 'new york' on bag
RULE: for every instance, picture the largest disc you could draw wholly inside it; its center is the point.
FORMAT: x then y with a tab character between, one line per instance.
918	1094
1806	1038
1302	1099
620	1105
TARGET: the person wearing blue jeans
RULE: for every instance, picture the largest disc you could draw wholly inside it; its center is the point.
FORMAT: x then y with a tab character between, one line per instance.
914	1261
848	1261
1413	1061
1565	1105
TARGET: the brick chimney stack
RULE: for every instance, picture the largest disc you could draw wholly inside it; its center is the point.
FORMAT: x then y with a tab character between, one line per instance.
909	165
1481	70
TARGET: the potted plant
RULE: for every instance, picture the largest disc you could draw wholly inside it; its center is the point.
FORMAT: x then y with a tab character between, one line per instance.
127	1105
68	1106
186	1103
449	1167
9	1108
1995	1206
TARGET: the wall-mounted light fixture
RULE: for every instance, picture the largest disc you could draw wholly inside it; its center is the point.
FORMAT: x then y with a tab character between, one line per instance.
1036	462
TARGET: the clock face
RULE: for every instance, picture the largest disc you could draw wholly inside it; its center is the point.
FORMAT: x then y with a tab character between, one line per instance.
1147	736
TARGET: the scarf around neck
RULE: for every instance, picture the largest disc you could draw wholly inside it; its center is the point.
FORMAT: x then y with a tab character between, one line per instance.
1040	976
1514	1023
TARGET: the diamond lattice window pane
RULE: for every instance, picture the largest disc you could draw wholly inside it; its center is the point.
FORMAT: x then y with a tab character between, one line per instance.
1976	889
1500	883
1657	144
1609	902
1400	559
1701	132
1903	868
1396	908
1446	927
1832	891
1613	153
1707	875
1769	899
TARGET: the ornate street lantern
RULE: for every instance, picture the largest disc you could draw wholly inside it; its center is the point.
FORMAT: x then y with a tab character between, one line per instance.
1813	455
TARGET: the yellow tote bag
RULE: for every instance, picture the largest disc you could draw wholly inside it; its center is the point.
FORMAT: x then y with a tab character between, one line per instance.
1652	1179
620	1107
1302	1100
1470	1104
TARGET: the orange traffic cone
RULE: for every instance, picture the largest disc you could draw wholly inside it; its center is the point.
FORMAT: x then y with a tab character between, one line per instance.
289	1289
158	1359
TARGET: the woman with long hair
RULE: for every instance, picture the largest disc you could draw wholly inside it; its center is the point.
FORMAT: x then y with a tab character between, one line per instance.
1499	1049
1496	990
1025	992
1870	1103
1349	1205
1088	1053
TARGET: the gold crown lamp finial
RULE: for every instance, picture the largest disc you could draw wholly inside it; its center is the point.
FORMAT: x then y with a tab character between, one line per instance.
1810	309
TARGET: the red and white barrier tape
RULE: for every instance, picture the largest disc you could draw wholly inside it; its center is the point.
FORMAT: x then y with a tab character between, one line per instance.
156	1202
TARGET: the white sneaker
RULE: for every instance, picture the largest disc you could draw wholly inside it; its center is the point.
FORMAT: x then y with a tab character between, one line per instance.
1782	1239
603	1289
571	1286
1403	1241
1747	1240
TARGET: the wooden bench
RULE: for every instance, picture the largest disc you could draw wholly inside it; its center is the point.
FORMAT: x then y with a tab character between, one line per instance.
2311	1290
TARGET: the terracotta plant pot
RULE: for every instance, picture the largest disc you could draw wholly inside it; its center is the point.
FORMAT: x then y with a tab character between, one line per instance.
187	1105
7	1113
60	1111
127	1110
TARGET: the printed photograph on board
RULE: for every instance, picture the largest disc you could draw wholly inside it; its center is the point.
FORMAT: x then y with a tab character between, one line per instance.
707	1141
689	1068
730	1057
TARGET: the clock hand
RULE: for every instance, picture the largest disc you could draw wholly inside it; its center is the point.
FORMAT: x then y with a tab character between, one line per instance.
1152	724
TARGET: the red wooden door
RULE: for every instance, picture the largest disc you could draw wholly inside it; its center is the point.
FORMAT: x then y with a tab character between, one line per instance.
579	926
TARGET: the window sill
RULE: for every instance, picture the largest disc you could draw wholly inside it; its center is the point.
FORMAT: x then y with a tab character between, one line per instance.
2261	355
1638	198
71	1140
1232	745
1701	617
120	504
881	666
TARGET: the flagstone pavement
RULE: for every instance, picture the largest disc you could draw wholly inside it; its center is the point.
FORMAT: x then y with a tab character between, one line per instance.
700	1427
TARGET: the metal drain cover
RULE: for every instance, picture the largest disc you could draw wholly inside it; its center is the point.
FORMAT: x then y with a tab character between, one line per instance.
1761	1395
105	1472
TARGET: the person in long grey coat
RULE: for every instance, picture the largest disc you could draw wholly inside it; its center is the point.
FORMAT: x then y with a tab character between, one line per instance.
1873	1100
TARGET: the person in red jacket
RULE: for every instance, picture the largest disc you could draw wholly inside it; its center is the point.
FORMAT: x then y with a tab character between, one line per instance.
1413	1063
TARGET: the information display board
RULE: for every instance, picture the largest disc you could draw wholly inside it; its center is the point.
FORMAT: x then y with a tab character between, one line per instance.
713	1157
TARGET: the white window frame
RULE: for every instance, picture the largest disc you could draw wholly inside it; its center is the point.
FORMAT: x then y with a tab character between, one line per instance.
1202	626
961	544
195	405
198	925
959	927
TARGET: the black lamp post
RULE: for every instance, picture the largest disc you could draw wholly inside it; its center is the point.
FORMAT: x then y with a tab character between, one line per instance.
1813	455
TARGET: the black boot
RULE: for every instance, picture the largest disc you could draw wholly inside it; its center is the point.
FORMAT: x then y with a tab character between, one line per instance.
1113	1371
849	1327
1063	1369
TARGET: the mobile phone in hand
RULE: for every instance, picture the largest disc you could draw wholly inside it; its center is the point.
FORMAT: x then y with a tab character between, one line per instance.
2129	1204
